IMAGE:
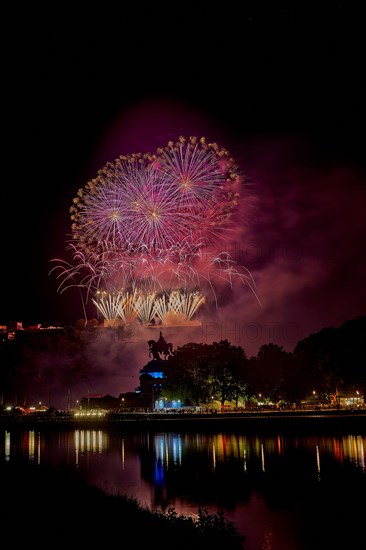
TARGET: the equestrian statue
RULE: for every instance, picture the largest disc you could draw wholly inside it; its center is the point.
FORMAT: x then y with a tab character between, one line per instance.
160	347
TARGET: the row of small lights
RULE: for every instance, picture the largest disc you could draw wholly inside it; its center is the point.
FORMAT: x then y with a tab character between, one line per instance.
90	413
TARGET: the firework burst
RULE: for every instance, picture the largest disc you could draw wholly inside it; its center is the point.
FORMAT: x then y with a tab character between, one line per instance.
144	229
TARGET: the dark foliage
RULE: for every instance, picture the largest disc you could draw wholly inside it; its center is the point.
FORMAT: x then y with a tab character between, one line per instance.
58	507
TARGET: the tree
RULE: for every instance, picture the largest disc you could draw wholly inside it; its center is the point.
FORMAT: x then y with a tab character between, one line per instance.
196	372
188	374
334	357
227	371
273	373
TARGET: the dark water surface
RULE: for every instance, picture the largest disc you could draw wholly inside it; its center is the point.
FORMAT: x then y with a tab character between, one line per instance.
284	492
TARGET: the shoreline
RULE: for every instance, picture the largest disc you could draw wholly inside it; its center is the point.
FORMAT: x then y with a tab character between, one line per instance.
263	421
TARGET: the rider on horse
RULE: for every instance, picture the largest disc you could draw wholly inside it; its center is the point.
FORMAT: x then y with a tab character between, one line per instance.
161	346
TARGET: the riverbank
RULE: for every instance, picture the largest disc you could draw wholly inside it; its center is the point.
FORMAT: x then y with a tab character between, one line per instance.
258	421
58	504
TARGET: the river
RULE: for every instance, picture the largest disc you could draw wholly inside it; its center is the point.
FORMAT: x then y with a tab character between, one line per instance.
283	491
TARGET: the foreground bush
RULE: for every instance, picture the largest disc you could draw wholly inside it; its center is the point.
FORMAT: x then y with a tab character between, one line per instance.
44	507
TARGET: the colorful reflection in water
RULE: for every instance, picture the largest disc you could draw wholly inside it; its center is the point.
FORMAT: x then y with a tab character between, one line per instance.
269	486
88	441
171	448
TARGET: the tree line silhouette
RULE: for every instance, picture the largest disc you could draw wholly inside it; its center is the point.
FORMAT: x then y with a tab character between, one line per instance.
328	362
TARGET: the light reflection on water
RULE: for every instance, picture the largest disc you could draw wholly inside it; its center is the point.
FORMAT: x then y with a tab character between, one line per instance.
258	481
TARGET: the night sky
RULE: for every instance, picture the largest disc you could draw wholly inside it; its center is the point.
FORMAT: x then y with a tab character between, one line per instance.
282	86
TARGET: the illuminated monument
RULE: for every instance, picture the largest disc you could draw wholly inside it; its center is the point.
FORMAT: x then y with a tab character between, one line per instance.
152	374
147	395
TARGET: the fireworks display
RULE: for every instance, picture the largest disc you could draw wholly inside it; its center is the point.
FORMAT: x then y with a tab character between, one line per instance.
144	231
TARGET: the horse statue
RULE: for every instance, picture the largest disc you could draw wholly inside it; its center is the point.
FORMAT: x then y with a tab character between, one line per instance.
160	347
